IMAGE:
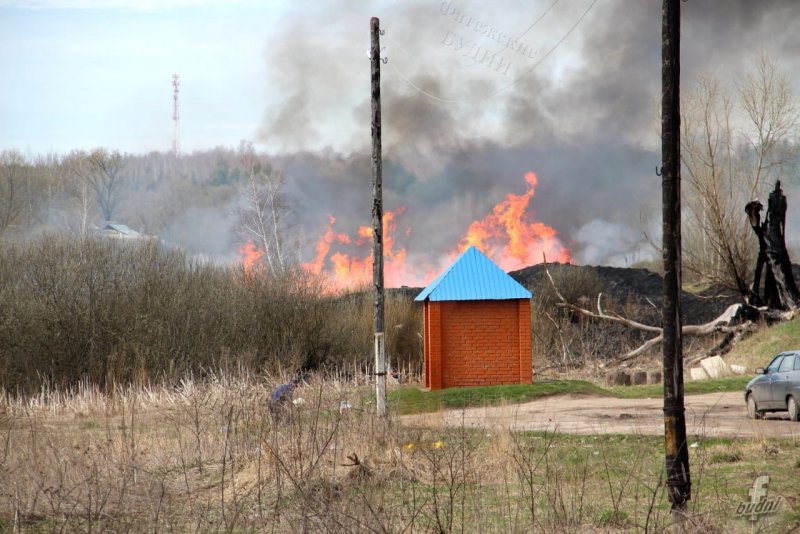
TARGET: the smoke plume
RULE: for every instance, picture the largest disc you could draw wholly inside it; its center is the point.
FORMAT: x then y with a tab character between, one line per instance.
471	103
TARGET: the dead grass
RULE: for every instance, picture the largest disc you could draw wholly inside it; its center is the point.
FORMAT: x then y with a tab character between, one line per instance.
758	349
206	456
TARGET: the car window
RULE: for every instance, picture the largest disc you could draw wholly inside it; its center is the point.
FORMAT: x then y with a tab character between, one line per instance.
787	364
797	364
774	364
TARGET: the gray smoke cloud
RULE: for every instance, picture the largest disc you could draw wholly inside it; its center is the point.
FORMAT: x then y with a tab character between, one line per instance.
470	103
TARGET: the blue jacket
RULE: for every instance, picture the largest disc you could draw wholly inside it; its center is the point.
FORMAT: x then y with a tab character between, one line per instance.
282	394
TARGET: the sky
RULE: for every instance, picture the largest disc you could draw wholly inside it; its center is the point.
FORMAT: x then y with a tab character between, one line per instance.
83	73
86	74
475	95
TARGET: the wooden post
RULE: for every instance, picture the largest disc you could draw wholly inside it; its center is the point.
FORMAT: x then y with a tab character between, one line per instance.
676	450
377	217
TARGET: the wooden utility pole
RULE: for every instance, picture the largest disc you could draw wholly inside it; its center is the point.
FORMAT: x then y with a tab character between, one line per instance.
676	451
377	217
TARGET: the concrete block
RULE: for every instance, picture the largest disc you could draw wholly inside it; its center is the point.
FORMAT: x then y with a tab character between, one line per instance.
618	378
639	378
715	367
698	373
738	369
653	377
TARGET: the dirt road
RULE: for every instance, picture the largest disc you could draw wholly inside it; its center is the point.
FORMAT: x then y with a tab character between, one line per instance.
709	415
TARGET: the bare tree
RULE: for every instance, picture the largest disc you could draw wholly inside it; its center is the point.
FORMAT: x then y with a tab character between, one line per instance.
770	105
102	172
263	209
731	148
75	186
15	173
716	246
45	194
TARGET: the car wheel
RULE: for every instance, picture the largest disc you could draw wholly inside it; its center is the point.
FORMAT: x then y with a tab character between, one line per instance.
752	410
794	410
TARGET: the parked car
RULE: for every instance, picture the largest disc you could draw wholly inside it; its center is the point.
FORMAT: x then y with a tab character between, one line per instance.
776	388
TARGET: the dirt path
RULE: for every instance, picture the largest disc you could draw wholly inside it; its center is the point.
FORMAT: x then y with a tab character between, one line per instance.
709	415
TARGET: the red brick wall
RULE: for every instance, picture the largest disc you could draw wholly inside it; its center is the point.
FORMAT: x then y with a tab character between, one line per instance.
472	343
433	345
525	348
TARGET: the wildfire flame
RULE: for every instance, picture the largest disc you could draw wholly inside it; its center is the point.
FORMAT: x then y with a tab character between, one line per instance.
324	246
250	257
509	235
350	271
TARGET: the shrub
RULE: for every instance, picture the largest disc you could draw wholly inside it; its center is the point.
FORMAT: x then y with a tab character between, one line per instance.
566	339
112	311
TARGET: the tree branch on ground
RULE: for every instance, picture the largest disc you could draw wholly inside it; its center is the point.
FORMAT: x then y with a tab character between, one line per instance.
725	323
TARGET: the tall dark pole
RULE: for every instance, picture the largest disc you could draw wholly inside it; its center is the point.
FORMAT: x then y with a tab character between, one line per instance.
676	452
377	217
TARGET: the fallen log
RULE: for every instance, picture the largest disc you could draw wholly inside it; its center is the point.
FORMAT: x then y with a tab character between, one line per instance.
724	323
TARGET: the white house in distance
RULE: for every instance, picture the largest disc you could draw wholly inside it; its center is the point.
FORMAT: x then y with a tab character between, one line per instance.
121	231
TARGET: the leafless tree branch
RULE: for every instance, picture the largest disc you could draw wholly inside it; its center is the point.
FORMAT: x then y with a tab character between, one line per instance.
724	323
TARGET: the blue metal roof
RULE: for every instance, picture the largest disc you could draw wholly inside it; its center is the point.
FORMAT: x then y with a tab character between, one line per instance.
473	276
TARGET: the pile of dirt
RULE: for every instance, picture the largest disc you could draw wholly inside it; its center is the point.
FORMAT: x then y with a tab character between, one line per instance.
623	284
643	286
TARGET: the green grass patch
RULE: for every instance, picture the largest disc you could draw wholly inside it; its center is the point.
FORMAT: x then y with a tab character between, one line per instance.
758	349
412	399
88	425
695	387
612	518
415	400
728	457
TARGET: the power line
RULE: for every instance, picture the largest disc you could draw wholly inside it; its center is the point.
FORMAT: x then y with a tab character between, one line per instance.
506	87
529	28
508	42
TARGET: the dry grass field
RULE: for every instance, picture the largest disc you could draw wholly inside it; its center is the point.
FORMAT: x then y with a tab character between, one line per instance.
207	456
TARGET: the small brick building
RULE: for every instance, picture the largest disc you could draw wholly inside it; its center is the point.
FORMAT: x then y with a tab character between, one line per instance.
477	326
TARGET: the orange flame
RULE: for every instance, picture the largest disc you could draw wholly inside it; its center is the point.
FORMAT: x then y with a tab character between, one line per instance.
250	257
508	235
350	271
324	246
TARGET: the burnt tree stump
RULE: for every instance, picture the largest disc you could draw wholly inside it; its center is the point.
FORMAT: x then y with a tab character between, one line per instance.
780	290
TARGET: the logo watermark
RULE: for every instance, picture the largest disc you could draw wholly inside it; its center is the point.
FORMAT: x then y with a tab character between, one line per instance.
476	54
473	48
760	503
509	42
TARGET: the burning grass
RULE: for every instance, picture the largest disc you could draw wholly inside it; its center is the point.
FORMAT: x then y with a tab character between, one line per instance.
509	234
205	455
